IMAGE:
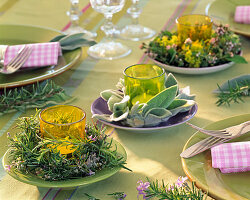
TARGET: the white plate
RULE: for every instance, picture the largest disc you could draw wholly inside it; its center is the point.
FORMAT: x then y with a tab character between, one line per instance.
193	71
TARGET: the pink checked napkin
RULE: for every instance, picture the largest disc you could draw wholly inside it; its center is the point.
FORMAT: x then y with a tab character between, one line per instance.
231	157
43	54
242	14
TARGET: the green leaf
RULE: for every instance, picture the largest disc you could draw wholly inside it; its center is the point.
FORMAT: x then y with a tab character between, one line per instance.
104	117
118	116
73	41
135	121
159	112
57	38
156	116
186	107
164	98
112	100
77	44
106	94
170	80
122	105
177	103
172	54
237	59
68	39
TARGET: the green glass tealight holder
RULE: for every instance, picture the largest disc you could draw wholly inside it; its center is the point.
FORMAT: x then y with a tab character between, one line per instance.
195	27
143	81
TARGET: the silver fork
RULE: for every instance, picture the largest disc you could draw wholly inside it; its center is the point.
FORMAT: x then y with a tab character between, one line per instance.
213	141
224	133
18	61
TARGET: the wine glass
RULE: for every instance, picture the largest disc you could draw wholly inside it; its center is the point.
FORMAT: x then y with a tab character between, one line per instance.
74	14
108	49
135	31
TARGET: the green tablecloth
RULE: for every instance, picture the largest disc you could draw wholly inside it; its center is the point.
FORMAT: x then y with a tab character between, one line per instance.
153	155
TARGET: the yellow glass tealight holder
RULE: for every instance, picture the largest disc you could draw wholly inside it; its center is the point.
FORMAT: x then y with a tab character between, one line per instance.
143	81
195	27
63	122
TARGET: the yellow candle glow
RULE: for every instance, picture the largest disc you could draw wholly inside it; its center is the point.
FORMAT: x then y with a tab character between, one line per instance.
63	122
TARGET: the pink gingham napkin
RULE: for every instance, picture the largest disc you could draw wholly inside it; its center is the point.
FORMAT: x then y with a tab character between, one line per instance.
242	14
231	157
43	54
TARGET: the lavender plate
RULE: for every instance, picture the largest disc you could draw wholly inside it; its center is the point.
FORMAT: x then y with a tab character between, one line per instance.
99	106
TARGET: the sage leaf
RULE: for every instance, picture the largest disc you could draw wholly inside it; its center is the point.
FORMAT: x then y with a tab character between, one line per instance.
104	117
159	112
68	39
184	108
177	103
106	94
164	98
170	80
118	116
122	105
57	38
111	102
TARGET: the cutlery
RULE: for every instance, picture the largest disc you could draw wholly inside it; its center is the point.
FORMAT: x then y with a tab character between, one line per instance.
224	133
18	61
211	142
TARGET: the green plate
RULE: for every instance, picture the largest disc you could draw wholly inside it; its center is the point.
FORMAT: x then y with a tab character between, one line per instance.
199	169
222	11
34	180
18	34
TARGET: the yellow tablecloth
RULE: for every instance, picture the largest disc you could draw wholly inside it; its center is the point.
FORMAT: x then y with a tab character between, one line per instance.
153	155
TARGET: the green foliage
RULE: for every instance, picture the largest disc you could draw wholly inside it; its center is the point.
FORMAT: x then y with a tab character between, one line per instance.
36	95
174	192
90	197
158	109
223	47
30	153
233	90
73	41
237	59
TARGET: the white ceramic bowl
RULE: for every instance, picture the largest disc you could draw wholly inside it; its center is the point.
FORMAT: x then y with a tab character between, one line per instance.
193	71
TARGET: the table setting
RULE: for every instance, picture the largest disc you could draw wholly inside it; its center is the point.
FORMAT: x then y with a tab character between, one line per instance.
120	99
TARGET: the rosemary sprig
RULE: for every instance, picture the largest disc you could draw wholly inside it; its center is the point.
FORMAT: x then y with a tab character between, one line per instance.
37	95
40	156
234	93
179	190
91	197
118	195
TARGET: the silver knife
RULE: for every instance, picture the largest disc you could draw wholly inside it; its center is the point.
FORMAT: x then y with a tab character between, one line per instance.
207	144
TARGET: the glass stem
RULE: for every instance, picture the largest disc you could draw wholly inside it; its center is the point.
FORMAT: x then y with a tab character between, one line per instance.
134	11
74	12
108	27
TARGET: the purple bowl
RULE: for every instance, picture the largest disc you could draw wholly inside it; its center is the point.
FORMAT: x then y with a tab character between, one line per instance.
99	106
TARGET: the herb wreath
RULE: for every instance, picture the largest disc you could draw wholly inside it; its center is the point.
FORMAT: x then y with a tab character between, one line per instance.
32	154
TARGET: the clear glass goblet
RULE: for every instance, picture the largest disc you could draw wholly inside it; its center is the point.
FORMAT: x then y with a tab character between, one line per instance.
135	31
74	14
108	48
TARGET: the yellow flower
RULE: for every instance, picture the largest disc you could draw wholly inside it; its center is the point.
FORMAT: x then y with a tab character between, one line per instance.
192	60
197	46
188	57
174	40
